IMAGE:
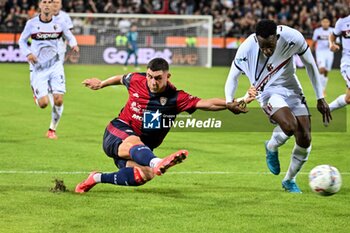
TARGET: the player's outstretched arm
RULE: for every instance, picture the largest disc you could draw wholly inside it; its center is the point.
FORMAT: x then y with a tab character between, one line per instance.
217	104
314	76
214	104
96	84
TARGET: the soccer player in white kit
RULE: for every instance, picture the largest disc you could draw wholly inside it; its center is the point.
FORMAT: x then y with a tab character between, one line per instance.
47	72
342	29
324	56
65	18
266	57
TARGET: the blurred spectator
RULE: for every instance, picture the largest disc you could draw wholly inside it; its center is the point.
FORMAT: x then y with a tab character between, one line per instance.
146	7
190	7
10	20
78	6
31	12
91	6
230	17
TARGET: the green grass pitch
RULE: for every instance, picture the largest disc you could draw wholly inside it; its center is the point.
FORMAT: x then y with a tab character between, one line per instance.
224	186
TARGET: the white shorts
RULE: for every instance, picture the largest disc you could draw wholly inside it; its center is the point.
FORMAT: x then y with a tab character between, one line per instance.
296	103
324	59
50	80
345	71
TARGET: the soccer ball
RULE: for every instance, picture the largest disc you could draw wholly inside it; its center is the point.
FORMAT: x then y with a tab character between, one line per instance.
325	180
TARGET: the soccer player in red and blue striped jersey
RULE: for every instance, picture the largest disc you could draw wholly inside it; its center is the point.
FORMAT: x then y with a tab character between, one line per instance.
131	137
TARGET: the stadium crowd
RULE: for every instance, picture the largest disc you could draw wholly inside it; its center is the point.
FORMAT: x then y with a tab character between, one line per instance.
231	17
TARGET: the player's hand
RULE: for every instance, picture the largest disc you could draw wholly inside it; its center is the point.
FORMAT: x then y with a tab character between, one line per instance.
93	83
334	47
323	108
252	93
237	107
76	49
31	58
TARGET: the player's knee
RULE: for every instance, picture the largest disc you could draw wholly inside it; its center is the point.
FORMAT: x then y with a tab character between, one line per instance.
43	102
347	99
289	127
58	100
42	105
304	140
127	144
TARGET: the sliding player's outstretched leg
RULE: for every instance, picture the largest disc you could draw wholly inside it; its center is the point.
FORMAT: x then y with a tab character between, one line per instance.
87	184
126	176
170	161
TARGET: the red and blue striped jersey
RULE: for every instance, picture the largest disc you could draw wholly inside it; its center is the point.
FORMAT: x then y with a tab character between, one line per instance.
142	102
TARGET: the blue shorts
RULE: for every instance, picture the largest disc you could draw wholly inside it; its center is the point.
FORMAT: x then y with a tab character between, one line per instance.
114	135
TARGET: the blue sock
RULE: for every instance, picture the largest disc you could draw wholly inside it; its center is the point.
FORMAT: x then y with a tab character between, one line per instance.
141	154
124	176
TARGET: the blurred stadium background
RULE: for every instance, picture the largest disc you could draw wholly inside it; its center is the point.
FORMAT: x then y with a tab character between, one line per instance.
185	38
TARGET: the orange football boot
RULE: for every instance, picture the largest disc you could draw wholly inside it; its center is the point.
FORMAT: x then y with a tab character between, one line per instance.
87	184
170	161
51	134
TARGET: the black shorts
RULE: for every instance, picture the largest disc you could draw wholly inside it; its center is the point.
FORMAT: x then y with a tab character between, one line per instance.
114	135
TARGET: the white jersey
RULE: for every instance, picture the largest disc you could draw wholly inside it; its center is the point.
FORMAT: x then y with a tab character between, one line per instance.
277	73
321	37
45	39
65	19
342	28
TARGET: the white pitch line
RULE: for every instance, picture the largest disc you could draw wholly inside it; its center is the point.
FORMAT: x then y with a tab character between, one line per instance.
170	173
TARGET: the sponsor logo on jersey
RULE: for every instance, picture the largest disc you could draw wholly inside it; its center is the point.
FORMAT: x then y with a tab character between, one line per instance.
135	107
46	35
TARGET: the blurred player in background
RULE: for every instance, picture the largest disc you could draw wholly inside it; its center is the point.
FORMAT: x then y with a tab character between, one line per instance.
47	74
324	56
266	57
342	29
127	138
64	18
132	36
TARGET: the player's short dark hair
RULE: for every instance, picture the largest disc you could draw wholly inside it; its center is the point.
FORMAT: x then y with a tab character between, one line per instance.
265	28
158	64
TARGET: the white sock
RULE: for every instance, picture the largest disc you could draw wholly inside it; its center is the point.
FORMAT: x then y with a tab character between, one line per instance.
299	157
97	177
324	81
50	95
278	138
153	163
56	114
337	103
